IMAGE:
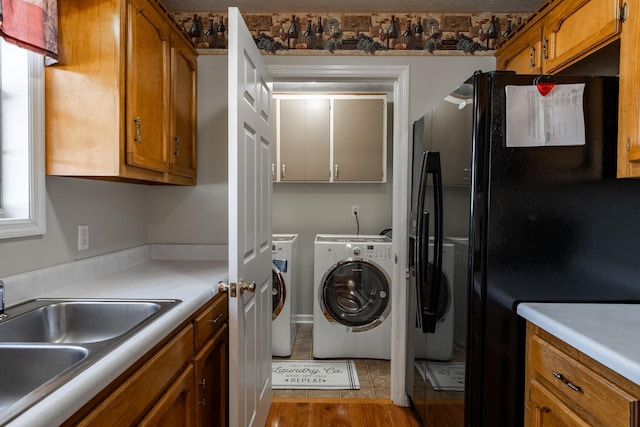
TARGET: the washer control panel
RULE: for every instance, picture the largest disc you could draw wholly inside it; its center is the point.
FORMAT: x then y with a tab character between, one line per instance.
364	250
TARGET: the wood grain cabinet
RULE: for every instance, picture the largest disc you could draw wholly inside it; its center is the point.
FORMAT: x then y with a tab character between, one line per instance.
629	100
121	104
181	382
559	34
564	387
523	52
332	138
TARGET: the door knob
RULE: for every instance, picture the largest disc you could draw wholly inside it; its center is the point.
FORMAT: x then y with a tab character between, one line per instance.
251	287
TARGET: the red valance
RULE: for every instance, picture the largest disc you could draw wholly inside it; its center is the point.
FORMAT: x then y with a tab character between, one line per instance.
31	24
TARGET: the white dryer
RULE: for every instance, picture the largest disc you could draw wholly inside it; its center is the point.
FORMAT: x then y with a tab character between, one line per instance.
284	307
352	296
439	345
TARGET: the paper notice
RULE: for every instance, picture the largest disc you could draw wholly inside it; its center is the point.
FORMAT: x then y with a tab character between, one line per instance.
533	120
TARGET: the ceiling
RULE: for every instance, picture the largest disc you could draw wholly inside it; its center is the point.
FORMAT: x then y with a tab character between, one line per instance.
364	6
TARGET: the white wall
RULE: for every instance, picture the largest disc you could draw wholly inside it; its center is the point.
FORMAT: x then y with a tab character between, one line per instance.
198	215
309	209
115	212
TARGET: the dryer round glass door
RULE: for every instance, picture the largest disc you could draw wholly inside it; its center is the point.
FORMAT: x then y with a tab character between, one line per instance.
278	292
355	295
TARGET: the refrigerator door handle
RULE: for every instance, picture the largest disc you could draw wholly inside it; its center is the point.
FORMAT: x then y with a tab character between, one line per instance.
429	306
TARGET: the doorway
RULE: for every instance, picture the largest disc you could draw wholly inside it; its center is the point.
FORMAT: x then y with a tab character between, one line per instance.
395	79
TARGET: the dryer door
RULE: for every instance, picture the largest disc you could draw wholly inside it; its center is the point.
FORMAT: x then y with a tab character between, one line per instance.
278	292
355	295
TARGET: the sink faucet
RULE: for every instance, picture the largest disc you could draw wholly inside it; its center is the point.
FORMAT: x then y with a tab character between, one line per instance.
2	313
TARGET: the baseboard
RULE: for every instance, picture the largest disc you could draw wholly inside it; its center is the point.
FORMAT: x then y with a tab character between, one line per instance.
303	318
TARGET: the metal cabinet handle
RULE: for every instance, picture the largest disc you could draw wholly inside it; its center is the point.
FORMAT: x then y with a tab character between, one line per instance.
532	54
138	122
216	319
273	170
177	139
566	381
336	172
283	170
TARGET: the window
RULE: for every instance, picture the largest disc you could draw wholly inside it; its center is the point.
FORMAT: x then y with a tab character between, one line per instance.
22	174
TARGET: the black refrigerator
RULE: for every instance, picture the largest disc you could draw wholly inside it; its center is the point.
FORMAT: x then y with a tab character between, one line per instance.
546	223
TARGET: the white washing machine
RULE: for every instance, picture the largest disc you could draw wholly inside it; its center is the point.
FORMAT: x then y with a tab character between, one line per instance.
284	269
439	345
352	296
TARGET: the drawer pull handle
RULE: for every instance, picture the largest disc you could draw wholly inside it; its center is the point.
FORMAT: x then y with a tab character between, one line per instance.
216	319
566	381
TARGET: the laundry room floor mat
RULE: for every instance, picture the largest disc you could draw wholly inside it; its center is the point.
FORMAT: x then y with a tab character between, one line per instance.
315	374
443	376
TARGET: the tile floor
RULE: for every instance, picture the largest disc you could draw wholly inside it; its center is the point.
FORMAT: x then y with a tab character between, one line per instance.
374	374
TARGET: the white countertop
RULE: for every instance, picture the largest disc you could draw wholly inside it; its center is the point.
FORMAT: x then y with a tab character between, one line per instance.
192	282
608	333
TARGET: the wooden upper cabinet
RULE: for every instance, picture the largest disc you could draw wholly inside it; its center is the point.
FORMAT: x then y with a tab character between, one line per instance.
575	29
523	53
111	106
183	136
629	100
147	87
560	34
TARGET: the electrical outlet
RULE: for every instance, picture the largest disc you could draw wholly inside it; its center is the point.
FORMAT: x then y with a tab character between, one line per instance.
355	210
83	237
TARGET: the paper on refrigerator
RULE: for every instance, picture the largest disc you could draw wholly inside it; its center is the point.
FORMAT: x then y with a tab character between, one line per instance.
534	120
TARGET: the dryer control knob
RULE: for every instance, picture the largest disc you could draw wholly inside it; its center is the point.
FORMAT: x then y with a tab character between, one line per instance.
356	251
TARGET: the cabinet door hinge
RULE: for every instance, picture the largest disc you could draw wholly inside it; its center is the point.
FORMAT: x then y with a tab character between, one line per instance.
628	144
622	13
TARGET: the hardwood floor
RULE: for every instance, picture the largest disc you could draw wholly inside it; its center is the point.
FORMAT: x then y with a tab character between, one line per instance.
309	412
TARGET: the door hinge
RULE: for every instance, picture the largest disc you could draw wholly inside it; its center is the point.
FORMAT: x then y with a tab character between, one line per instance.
628	144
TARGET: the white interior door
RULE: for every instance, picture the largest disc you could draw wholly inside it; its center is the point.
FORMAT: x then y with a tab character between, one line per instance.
249	229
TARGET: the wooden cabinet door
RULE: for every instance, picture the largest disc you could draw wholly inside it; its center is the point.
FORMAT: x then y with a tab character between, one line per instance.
147	76
183	144
304	141
523	53
211	367
575	29
629	101
546	410
175	407
358	139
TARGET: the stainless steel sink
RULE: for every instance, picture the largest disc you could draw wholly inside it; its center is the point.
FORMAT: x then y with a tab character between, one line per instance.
23	368
46	342
77	321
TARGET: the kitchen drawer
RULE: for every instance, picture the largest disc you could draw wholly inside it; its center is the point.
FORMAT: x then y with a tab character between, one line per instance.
599	401
139	392
210	320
